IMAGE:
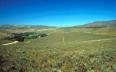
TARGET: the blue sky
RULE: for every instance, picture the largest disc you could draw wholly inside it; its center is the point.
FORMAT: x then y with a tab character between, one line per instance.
56	12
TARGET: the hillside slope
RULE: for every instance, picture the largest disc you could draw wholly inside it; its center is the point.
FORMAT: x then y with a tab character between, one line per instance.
100	24
15	26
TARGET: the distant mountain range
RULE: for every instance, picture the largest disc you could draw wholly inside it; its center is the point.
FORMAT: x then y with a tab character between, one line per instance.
15	26
93	24
100	24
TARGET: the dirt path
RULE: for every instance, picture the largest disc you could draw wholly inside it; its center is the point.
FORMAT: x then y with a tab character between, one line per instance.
11	43
97	40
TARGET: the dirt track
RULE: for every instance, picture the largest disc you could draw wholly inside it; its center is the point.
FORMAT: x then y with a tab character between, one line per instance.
11	43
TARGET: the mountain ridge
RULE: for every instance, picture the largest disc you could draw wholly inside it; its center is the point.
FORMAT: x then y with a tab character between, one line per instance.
100	24
110	23
17	26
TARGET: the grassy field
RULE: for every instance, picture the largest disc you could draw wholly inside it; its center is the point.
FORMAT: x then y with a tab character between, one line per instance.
63	50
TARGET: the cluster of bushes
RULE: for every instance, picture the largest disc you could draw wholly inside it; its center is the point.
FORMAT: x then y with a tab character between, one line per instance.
23	36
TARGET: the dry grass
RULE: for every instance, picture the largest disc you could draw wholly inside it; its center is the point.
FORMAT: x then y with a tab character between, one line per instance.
81	52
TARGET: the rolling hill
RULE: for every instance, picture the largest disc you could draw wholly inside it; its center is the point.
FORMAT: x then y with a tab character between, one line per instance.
15	26
100	24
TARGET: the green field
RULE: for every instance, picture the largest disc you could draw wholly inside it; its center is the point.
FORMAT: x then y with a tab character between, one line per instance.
63	50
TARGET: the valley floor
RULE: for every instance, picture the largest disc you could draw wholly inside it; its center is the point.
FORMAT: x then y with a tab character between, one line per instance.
63	50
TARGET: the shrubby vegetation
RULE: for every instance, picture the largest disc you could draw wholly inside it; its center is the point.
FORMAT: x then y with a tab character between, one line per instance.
23	36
